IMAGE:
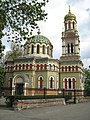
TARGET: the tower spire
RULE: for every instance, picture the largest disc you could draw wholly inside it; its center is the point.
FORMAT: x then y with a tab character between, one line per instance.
69	9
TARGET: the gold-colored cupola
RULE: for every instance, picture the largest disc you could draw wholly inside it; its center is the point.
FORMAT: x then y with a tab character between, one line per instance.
69	16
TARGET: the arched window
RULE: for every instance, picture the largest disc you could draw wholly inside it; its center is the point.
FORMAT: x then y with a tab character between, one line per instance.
62	68
40	82
51	82
30	66
32	49
45	66
65	26
73	24
69	83
11	68
37	66
65	83
48	50
26	66
38	49
69	25
71	47
73	80
23	66
43	49
69	68
41	67
65	68
76	68
72	68
19	66
68	48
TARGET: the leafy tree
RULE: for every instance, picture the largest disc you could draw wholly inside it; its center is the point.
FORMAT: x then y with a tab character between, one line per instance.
87	79
20	17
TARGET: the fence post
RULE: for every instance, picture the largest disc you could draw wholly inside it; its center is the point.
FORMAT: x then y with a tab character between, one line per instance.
74	96
44	92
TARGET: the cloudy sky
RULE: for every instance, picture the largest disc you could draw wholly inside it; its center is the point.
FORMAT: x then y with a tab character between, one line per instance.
53	27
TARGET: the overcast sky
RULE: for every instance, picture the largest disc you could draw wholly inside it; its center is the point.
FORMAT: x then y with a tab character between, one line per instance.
53	27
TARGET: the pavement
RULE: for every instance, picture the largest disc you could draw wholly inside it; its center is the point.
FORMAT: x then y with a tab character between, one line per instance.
80	111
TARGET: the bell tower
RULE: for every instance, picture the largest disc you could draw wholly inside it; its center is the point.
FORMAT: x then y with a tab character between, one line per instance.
70	37
71	66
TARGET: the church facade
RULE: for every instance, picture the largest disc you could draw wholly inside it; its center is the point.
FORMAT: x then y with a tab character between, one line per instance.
37	69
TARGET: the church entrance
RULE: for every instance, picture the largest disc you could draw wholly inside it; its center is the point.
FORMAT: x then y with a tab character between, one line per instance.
19	89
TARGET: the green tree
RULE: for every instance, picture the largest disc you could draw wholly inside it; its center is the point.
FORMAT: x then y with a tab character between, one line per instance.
87	79
18	18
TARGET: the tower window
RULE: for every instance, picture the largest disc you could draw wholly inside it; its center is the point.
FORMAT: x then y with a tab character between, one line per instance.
65	26
38	49
71	47
32	49
68	48
69	25
73	24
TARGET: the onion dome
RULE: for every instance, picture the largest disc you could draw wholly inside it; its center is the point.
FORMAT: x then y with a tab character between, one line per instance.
39	39
70	16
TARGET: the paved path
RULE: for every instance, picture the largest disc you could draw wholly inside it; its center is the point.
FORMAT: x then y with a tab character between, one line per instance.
79	111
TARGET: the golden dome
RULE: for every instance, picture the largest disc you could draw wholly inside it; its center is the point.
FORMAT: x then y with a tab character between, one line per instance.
70	16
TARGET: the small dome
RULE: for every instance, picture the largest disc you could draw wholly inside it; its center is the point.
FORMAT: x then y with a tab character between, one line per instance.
70	16
39	39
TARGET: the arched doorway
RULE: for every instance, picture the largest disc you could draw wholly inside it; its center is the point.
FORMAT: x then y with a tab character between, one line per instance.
19	87
20	84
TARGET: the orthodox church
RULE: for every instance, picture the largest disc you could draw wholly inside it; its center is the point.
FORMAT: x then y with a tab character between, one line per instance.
37	69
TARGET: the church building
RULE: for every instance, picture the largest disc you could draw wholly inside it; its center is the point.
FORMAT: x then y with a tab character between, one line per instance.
37	70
